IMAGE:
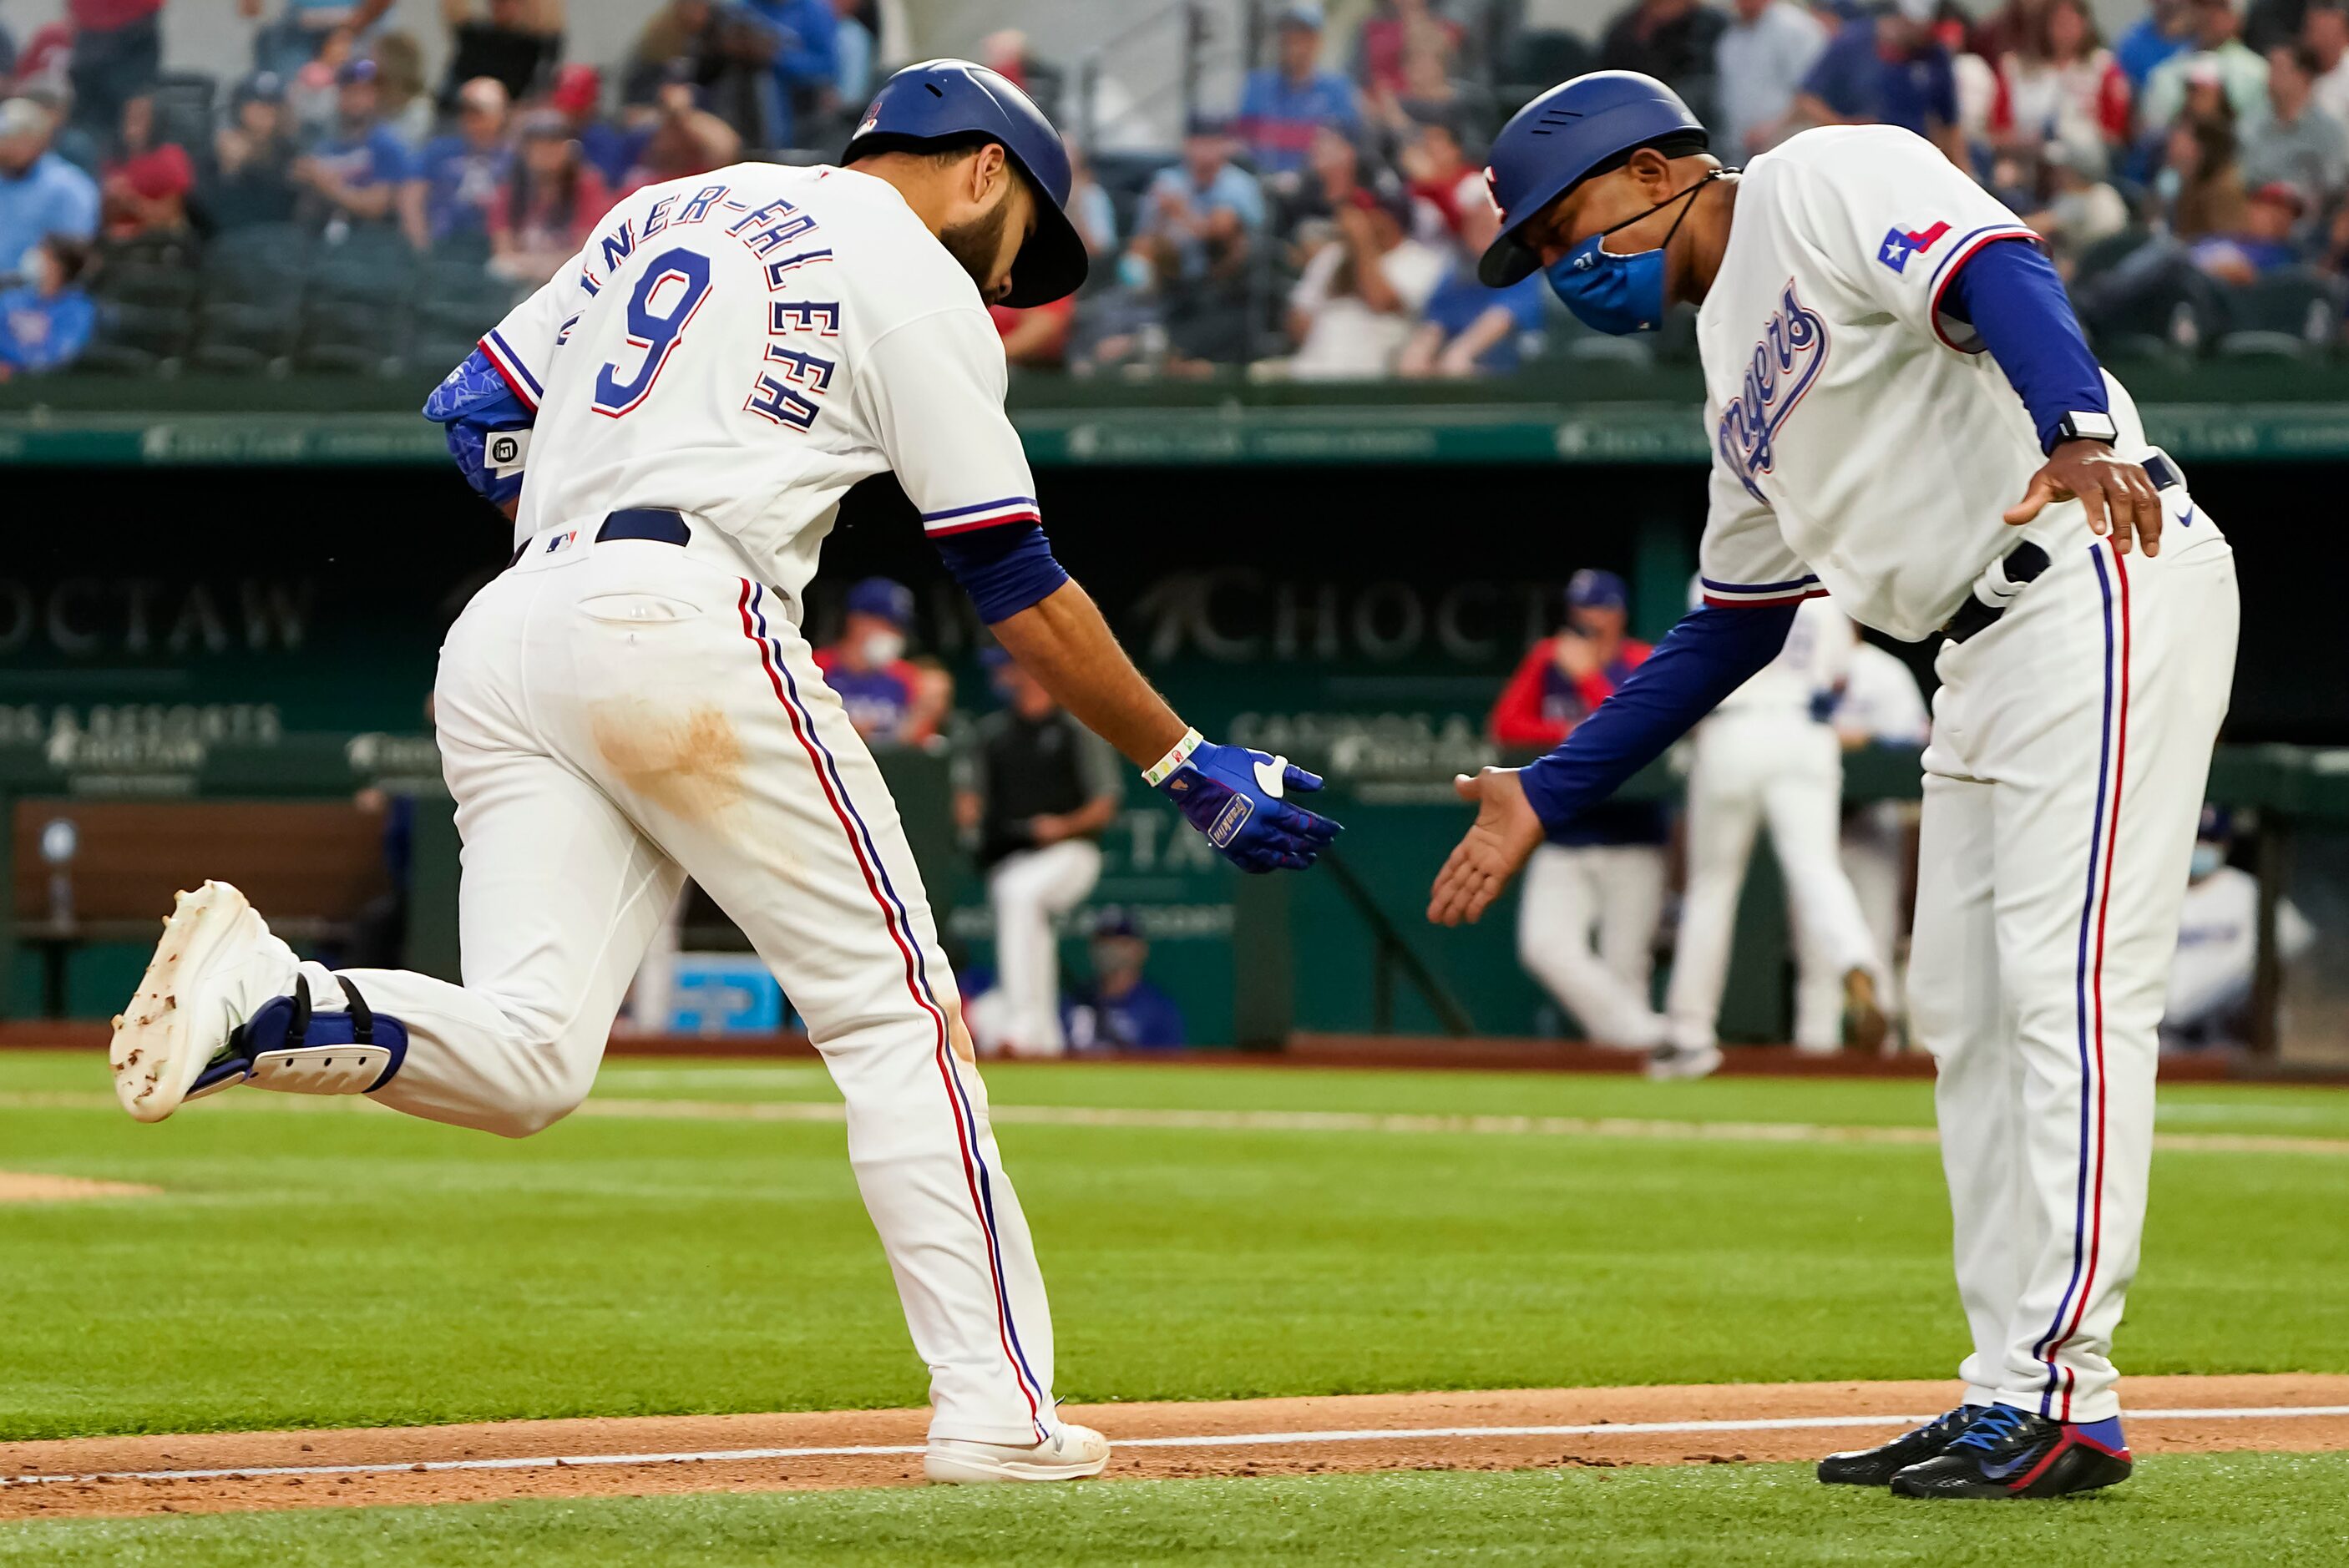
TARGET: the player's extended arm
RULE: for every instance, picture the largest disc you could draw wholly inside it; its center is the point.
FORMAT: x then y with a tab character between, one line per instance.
2009	293
1709	654
1052	625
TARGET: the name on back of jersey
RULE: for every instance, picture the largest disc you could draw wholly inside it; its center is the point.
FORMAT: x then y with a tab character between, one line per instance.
792	376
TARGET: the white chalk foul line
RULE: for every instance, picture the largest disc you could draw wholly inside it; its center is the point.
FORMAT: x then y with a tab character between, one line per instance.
832	1113
1231	1440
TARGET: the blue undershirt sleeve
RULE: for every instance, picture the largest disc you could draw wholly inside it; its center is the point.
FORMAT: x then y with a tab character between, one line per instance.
1004	569
2011	293
1709	654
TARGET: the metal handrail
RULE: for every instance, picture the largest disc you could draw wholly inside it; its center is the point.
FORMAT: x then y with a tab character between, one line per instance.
1391	953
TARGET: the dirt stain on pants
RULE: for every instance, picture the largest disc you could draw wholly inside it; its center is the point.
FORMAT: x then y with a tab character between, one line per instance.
688	766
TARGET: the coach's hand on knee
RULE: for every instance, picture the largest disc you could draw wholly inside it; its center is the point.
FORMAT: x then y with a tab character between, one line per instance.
2117	493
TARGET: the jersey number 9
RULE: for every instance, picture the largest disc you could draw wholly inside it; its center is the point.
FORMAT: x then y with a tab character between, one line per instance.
679	278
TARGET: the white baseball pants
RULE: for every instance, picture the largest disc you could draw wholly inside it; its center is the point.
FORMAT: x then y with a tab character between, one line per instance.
2070	746
614	718
1754	766
1609	894
1029	889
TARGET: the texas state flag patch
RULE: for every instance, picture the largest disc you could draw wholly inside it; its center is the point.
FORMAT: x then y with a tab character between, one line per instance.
1899	245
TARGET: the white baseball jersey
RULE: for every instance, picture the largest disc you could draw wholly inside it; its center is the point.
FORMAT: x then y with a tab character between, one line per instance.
1880	698
1862	442
761	339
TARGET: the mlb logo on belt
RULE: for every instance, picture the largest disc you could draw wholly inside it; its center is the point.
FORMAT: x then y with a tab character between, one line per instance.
563	541
1899	245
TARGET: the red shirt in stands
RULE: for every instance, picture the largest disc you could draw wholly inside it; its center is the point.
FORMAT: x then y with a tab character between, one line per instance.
105	15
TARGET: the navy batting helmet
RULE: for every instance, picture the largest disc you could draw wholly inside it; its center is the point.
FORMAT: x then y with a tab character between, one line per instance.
947	100
1577	128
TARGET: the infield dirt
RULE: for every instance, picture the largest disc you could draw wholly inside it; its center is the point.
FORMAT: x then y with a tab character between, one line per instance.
94	1477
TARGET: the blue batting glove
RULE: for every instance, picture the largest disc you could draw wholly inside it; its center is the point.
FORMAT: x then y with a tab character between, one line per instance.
1237	797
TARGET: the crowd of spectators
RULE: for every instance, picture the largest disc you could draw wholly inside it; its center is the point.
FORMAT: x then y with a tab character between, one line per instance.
122	181
2189	175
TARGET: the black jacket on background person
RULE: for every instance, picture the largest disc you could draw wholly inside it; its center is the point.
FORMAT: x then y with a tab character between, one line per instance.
1022	769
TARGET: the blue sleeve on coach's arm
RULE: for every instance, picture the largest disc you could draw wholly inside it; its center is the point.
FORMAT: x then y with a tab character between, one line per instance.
1004	569
2010	292
1709	654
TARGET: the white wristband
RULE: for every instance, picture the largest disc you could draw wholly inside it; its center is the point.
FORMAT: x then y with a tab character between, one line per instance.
1158	772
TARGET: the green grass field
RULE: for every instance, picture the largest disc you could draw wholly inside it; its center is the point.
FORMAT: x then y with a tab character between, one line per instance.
2221	1511
322	1264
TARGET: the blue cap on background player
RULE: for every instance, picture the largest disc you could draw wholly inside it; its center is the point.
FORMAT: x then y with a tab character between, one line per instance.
1591	589
892	601
1581	127
948	100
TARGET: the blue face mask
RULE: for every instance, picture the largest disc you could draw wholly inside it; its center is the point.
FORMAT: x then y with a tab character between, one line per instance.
1619	295
2207	858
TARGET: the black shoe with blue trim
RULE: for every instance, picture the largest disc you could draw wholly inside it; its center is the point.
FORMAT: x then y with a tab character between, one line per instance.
2007	1452
1878	1466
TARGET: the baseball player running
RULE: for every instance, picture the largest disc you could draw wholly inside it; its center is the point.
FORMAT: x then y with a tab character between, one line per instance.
1903	411
632	702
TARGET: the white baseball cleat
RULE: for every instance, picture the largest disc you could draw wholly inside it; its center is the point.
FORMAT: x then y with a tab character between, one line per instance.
1668	1061
1073	1453
217	963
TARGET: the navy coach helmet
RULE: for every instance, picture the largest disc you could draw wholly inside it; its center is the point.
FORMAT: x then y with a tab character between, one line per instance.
947	100
1581	127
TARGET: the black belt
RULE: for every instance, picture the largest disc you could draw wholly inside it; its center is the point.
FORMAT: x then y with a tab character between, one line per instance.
656	523
2027	561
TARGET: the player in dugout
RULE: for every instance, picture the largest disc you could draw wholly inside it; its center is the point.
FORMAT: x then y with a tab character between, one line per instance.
1595	888
1903	410
891	699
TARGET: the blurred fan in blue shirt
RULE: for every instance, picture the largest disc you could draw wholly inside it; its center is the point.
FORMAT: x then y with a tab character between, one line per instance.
46	322
1121	1009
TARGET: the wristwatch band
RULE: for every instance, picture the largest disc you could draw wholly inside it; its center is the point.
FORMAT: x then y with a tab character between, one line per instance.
2087	425
1158	772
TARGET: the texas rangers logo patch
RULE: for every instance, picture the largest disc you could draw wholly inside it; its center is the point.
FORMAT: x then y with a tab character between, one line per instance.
1899	245
1787	359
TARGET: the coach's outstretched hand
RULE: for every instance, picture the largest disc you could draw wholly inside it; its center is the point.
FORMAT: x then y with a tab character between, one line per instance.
2118	494
1235	797
1504	834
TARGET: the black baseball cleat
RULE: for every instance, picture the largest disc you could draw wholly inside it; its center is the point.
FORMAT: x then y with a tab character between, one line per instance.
1877	1466
2007	1452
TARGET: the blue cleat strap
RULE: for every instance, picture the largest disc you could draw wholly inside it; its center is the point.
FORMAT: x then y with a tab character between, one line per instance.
287	1045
